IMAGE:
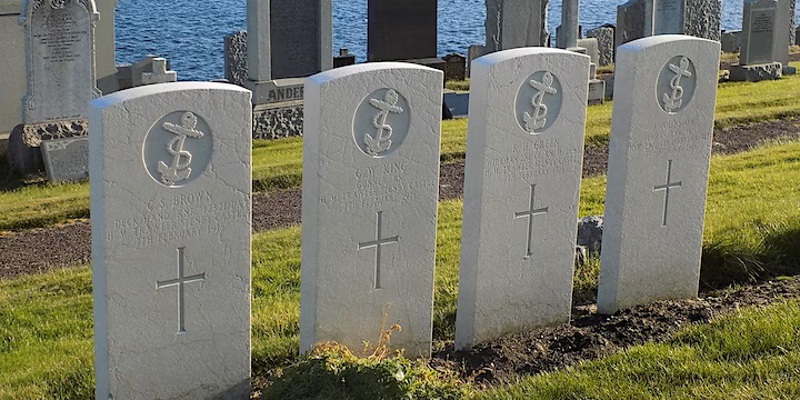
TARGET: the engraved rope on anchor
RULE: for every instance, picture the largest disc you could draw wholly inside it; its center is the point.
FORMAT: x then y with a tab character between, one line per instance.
538	120
179	171
382	142
673	102
58	4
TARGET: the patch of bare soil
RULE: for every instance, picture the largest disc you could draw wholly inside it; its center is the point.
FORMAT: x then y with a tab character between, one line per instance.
590	335
42	249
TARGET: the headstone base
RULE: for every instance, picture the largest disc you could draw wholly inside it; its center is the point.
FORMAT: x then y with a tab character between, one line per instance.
597	91
755	72
789	70
275	91
458	103
278	120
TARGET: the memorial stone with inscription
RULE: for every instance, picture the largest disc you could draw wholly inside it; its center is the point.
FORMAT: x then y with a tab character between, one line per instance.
521	185
66	159
170	202
512	24
658	170
370	197
60	59
758	58
669	16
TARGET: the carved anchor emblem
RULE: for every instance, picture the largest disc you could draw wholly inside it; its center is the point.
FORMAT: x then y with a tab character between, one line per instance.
674	102
538	120
382	142
179	171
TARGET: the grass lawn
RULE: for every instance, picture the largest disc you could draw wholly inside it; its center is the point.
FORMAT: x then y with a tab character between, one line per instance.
753	226
278	164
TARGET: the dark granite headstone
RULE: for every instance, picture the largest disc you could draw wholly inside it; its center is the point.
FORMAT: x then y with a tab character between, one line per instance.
66	159
401	29
634	21
456	69
300	36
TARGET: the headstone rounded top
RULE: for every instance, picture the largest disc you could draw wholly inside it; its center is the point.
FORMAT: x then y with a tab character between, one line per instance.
511	54
29	6
649	42
149	90
349	70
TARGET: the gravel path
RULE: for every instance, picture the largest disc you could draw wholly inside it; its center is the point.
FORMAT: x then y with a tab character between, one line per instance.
42	249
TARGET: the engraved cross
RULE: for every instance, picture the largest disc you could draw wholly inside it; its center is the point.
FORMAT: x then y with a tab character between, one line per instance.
666	189
377	244
532	212
180	282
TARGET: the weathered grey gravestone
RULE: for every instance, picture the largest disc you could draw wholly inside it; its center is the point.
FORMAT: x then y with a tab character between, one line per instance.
523	174
66	159
730	41
401	30
658	170
702	19
569	31
236	58
288	38
605	43
170	199
370	196
60	59
515	23
60	70
634	21
12	63
758	58
669	16
699	18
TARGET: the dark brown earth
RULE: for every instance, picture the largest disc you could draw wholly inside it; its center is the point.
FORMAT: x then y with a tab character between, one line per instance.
42	249
590	336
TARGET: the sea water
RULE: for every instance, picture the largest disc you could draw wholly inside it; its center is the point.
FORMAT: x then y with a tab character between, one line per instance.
190	33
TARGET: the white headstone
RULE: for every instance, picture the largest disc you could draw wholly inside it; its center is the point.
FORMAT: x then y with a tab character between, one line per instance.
60	59
370	196
658	170
159	73
523	173
170	201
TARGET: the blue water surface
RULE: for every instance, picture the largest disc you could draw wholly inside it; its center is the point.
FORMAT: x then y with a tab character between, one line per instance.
190	33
